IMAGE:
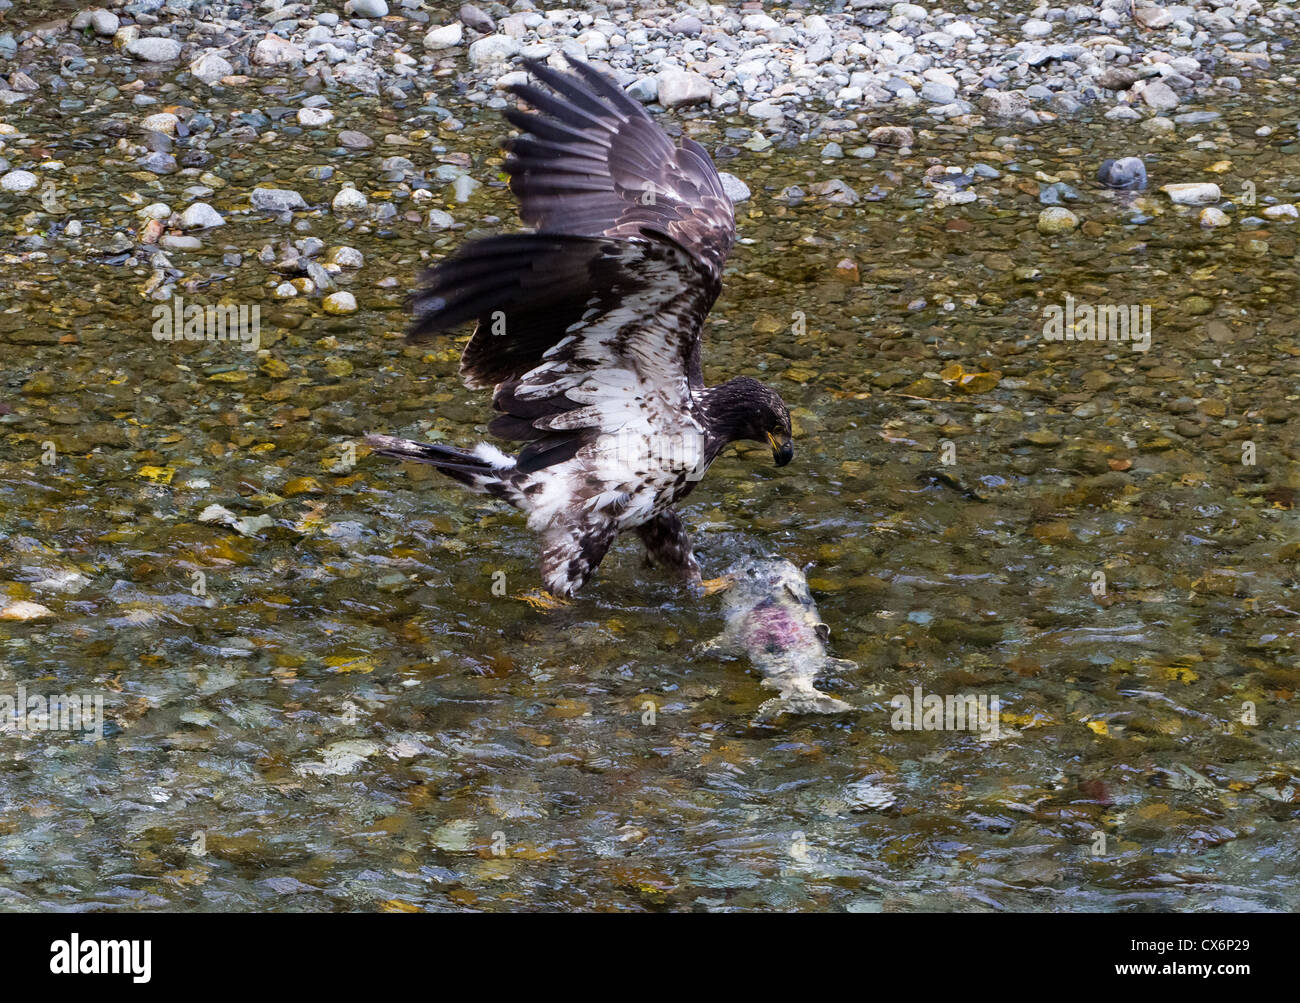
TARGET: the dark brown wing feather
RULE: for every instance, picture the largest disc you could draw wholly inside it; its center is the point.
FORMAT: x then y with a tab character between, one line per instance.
633	235
558	313
591	161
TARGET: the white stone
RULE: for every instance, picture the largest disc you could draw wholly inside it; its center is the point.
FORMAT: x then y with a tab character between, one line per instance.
1160	96
177	242
101	21
1056	219
1153	17
1034	28
909	11
644	89
350	200
463	187
492	49
20	609
736	189
445	37
1196	193
275	51
1283	211
681	87
340	303
311	118
276	199
366	8
211	67
344	257
164	122
154	50
19	181
201	216
593	41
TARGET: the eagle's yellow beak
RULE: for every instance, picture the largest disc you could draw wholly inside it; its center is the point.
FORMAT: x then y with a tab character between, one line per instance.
782	449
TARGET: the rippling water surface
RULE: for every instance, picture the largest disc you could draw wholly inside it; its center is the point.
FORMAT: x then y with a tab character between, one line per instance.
342	713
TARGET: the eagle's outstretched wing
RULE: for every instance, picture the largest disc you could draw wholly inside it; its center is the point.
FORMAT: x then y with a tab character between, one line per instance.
592	162
591	325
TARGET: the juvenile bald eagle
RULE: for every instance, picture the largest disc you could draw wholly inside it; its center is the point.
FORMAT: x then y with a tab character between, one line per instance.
589	331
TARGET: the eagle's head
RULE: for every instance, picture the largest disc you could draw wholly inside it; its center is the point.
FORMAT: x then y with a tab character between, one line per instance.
743	408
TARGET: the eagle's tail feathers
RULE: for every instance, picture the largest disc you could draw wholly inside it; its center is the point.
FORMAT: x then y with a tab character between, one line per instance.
484	469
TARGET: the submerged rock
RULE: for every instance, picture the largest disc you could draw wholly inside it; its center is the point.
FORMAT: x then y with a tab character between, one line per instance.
19	181
19	609
892	135
350	200
277	199
1126	172
1056	219
201	216
736	189
1195	193
340	303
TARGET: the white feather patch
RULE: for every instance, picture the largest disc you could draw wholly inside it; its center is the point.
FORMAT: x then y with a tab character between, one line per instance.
492	456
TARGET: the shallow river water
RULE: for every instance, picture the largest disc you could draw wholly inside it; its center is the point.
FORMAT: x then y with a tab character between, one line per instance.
328	705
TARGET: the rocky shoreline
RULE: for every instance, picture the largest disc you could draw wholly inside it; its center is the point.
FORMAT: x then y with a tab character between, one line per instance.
783	67
163	87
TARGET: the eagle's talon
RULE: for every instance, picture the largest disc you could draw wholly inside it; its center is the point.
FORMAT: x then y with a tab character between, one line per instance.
542	601
712	586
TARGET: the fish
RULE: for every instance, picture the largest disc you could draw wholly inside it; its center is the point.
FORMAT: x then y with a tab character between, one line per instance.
772	618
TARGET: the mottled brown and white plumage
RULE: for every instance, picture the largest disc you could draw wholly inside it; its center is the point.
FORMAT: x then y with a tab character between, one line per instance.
588	330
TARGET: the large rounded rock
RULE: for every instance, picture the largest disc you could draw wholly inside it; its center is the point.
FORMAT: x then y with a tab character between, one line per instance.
340	303
492	50
444	37
276	199
366	8
1056	219
211	67
154	50
1126	172
19	181
275	51
201	216
681	87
